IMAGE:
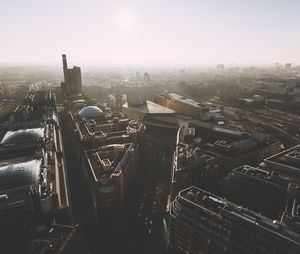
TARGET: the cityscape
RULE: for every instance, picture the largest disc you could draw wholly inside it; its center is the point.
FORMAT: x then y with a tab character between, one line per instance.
160	156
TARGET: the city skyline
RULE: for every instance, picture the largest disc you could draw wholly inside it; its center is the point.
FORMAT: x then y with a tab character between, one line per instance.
150	33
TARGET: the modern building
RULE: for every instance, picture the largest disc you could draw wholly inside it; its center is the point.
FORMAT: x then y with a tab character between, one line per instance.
201	222
33	182
285	163
183	105
259	190
73	81
205	154
138	110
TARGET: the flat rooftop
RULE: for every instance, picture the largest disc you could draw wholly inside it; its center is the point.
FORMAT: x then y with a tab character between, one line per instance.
108	159
289	158
148	107
219	206
260	175
252	171
183	99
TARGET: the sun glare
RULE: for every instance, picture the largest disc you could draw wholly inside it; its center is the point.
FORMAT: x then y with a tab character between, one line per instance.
125	19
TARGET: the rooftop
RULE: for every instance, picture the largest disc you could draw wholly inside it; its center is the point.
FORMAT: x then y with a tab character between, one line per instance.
289	158
20	174
148	107
258	175
109	159
218	206
90	112
178	97
23	135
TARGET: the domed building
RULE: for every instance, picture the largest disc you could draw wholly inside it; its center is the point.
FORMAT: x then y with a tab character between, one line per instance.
22	136
91	112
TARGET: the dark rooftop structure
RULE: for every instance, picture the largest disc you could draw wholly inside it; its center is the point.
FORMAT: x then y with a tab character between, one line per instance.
260	190
286	163
202	221
20	174
206	153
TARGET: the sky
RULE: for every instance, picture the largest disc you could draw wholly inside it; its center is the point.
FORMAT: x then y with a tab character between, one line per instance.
150	32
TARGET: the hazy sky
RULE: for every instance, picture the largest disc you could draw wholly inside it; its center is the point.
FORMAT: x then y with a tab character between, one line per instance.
150	32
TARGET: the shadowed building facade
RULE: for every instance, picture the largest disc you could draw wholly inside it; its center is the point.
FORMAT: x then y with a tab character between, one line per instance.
205	154
73	81
107	144
201	222
33	185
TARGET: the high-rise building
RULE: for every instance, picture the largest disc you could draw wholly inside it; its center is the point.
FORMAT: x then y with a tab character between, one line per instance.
73	81
146	79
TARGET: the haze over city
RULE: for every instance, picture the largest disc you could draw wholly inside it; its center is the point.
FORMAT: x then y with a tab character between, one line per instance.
150	32
149	127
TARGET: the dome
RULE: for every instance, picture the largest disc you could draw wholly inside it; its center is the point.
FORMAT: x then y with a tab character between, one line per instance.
90	112
24	135
20	174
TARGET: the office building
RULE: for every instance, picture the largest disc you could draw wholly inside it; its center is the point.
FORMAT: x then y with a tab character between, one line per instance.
140	109
201	222
205	154
183	105
259	190
72	79
285	163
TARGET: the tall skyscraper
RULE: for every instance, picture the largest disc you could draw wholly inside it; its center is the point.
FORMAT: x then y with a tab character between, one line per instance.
146	79
73	81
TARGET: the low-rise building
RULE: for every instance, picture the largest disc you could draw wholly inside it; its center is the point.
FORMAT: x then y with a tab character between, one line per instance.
183	105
